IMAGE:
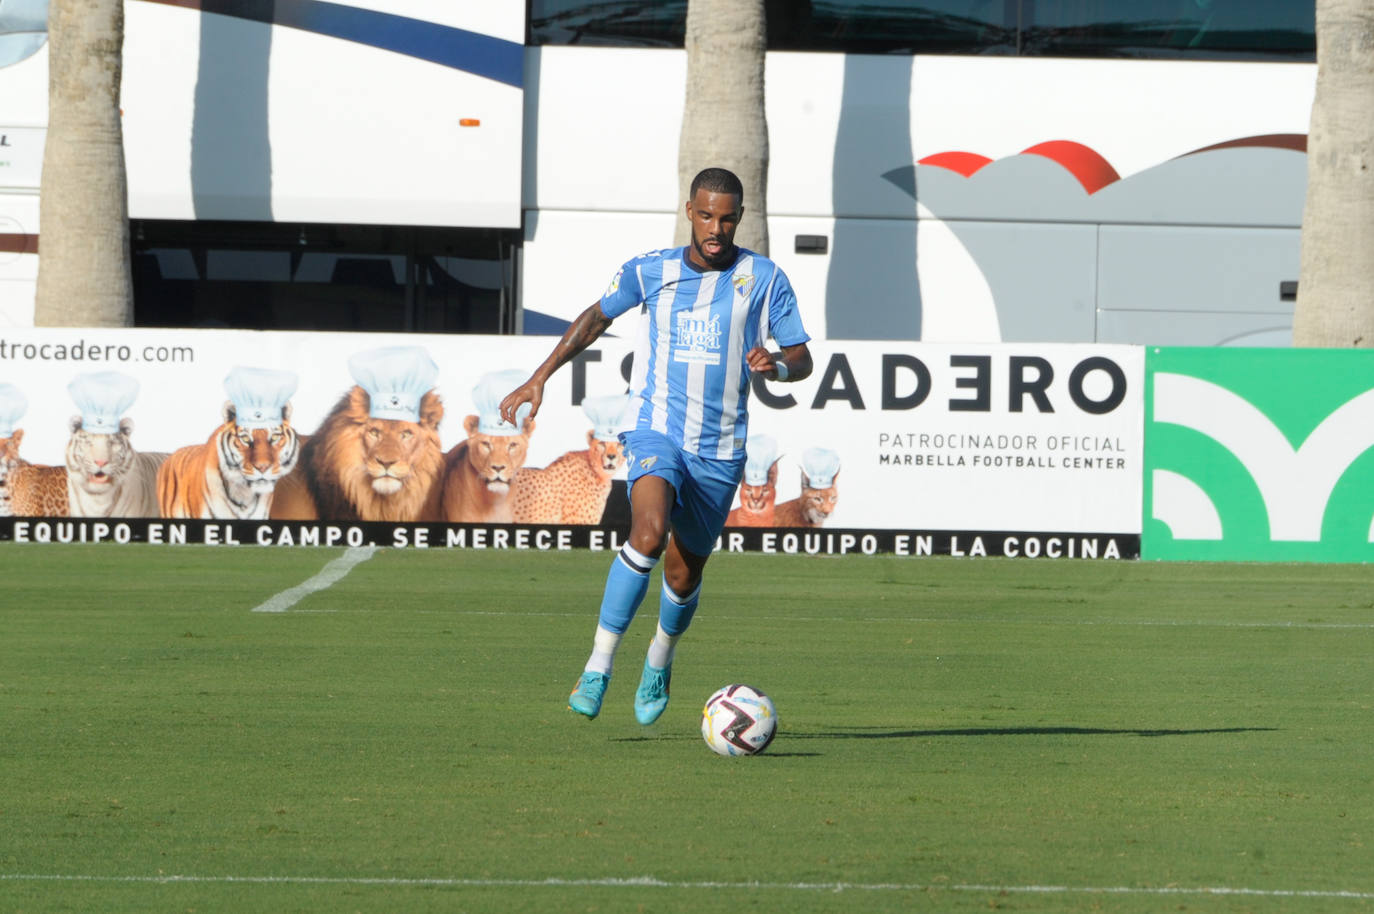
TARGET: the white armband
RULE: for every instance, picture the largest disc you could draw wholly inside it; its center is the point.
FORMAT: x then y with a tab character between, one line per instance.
781	366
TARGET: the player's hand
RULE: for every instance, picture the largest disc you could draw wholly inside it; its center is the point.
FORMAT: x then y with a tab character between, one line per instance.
531	392
761	361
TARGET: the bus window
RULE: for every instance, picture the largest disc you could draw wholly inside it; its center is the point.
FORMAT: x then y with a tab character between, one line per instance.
605	23
861	26
1207	29
1199	29
894	26
279	276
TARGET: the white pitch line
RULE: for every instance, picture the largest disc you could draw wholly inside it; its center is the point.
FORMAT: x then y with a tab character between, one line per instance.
913	620
654	882
330	575
1145	623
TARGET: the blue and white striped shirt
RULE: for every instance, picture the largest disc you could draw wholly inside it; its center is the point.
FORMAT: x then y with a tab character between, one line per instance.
690	374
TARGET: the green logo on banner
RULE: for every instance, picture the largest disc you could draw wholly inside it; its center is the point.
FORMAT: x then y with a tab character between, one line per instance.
1259	455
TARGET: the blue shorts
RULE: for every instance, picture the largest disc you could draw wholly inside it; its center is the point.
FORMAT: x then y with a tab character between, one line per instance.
705	488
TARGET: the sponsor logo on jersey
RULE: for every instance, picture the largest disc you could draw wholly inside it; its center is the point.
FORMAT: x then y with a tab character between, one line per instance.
698	338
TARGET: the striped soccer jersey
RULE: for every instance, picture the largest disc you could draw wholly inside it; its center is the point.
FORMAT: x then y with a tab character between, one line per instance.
690	373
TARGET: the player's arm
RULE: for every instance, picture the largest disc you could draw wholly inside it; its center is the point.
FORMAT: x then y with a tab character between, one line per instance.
581	333
792	363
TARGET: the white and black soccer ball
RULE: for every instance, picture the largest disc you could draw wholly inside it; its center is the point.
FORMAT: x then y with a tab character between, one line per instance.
739	720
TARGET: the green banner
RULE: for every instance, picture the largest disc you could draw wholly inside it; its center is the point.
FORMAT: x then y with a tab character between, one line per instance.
1259	455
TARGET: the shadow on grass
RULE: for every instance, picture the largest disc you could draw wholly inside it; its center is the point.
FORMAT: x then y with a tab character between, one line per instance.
875	733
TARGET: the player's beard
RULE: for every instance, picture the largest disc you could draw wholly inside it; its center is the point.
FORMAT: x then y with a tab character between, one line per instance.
723	259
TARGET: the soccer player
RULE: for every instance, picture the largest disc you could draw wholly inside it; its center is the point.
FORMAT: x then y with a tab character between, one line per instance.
707	309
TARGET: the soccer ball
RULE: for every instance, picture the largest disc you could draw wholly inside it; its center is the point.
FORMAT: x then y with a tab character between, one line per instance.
738	720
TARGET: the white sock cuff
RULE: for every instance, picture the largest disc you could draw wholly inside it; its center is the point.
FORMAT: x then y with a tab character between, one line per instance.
662	648
604	645
638	563
606	640
681	601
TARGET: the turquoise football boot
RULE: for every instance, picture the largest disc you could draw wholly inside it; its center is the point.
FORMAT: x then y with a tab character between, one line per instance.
587	694
652	695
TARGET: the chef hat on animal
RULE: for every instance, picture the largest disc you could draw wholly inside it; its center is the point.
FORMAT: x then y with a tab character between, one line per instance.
760	453
102	397
487	397
820	466
13	405
607	415
259	395
396	379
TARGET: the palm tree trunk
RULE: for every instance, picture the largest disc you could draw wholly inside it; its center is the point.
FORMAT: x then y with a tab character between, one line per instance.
1336	283
84	276
723	121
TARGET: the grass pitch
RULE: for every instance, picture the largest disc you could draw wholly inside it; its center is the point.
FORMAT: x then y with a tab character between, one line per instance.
955	735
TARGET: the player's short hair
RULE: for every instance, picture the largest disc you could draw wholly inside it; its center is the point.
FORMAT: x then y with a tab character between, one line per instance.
717	181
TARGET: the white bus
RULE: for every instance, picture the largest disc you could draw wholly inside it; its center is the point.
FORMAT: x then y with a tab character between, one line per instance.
976	170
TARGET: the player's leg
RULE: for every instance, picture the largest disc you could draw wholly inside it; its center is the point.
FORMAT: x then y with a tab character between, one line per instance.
704	503
652	496
628	579
677	604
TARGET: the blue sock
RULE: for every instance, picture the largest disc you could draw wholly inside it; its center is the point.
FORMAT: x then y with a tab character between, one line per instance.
674	615
626	584
674	612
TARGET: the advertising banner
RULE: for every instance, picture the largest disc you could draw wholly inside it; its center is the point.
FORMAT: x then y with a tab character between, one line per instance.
969	439
1026	450
1259	455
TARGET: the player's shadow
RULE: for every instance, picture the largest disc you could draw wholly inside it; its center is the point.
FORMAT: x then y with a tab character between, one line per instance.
877	733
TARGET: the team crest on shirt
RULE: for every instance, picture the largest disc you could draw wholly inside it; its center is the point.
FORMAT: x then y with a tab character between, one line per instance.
698	338
743	284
